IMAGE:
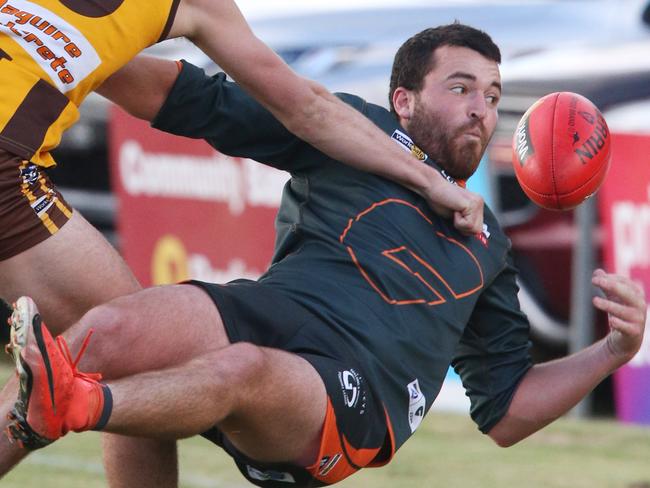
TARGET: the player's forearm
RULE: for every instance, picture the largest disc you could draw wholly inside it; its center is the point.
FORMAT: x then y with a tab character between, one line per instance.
340	131
141	86
306	108
551	389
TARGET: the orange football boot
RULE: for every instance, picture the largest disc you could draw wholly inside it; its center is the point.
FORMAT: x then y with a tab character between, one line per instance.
54	397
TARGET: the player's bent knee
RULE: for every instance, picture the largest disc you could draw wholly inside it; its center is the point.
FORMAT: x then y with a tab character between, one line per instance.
243	367
109	325
247	361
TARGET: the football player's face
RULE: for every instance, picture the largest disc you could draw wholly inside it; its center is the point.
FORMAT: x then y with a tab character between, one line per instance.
453	116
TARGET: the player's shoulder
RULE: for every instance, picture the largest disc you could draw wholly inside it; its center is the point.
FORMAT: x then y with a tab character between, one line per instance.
361	104
353	100
378	114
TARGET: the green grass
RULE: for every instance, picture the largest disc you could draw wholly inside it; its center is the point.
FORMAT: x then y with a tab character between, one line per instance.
446	452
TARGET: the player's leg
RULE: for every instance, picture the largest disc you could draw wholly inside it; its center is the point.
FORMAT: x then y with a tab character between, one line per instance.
141	462
153	329
67	274
276	391
276	395
263	384
54	255
131	327
209	382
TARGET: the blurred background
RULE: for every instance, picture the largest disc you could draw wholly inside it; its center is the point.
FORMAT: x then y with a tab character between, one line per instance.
138	186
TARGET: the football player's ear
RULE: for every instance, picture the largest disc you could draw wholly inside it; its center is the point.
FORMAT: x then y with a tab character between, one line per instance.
403	101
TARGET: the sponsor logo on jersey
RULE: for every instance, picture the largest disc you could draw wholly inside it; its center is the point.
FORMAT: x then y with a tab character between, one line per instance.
327	463
417	405
59	48
352	388
43	204
407	143
270	475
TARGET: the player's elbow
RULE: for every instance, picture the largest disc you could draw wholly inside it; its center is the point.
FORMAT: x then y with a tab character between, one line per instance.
503	441
504	434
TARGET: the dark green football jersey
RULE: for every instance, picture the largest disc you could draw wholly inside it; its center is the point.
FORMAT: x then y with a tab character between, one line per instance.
367	257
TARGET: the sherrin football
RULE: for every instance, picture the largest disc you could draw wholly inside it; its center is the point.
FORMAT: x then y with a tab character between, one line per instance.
561	150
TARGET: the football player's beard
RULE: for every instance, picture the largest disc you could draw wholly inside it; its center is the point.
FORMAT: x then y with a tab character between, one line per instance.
457	154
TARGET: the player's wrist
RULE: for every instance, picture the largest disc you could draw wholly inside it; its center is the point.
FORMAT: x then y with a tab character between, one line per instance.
616	353
425	180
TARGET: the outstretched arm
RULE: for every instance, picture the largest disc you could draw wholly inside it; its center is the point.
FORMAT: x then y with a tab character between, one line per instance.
311	112
551	389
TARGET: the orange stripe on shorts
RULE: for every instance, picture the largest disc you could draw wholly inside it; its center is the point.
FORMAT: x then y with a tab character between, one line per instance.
337	459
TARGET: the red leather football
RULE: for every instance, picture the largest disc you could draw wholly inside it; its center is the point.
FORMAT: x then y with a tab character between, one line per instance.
561	150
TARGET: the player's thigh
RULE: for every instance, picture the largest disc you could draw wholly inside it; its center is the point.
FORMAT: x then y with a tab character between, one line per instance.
280	416
155	328
67	274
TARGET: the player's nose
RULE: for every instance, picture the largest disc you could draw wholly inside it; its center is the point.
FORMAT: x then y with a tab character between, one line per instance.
477	106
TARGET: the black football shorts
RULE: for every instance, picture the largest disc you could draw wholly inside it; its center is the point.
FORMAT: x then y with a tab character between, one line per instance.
355	433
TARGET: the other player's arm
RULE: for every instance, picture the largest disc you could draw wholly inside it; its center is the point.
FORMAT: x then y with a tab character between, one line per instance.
311	112
551	389
142	86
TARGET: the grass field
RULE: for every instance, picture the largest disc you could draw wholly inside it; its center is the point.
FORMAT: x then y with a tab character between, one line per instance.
446	452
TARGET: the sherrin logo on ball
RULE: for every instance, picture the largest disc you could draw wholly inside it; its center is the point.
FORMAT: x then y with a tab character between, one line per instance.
561	150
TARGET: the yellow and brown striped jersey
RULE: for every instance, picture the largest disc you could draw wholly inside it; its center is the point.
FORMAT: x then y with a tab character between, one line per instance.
54	52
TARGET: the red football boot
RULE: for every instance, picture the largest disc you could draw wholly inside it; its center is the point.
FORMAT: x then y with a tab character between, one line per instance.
54	397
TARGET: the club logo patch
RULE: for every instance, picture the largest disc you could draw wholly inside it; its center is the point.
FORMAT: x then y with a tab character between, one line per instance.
29	174
352	388
417	405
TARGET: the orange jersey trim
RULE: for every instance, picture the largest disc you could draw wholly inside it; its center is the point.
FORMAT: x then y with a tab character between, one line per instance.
397	256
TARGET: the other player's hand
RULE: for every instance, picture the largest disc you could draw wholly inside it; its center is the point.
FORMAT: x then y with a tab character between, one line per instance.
447	200
625	305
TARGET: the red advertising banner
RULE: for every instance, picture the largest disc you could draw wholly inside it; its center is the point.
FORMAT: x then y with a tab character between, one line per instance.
625	207
187	211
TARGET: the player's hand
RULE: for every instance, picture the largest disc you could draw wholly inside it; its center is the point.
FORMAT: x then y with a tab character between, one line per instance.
447	200
625	305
